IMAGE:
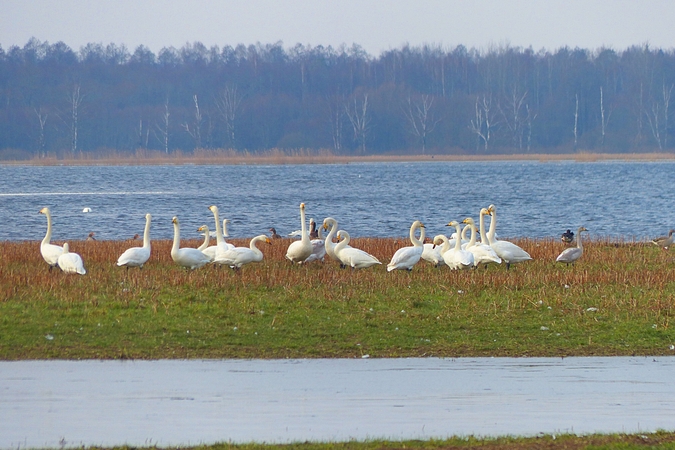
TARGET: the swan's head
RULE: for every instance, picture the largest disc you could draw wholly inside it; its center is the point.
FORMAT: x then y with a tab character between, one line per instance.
268	240
484	212
66	248
468	221
417	224
213	208
148	216
44	210
439	239
341	235
302	206
582	229
491	209
203	228
174	220
454	223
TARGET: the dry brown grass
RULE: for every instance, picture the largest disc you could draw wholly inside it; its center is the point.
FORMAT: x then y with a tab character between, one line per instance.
309	156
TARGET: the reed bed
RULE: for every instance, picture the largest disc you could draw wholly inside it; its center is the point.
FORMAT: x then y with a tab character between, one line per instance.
617	300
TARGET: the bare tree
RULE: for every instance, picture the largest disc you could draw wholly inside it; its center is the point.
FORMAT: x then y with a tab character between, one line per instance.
604	119
515	117
658	116
421	119
576	122
196	129
143	134
42	121
228	102
163	127
484	123
336	113
75	100
360	120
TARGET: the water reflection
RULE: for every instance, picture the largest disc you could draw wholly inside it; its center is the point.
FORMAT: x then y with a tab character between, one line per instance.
171	403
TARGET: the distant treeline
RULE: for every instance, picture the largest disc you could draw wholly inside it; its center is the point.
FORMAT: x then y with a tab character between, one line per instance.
428	99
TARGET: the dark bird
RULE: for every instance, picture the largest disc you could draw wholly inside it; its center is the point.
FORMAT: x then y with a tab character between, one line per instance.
567	237
313	232
91	236
274	233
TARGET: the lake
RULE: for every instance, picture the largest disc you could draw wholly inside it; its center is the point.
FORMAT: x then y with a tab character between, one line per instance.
623	200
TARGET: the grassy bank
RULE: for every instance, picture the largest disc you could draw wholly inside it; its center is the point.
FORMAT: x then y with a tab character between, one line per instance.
618	300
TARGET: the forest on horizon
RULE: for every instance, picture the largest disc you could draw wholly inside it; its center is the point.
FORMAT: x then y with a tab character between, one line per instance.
103	99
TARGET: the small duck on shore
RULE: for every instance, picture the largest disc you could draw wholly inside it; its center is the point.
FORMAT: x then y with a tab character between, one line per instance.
567	237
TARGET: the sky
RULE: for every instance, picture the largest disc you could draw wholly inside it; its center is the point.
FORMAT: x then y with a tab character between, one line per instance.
376	25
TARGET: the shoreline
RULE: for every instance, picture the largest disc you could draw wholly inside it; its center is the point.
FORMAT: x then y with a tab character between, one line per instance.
277	157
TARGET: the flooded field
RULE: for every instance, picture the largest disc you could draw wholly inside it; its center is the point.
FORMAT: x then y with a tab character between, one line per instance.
176	402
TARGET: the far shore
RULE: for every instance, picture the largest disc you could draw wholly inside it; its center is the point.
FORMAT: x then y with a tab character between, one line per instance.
278	157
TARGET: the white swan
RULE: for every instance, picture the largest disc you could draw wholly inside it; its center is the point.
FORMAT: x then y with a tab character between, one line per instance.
569	255
50	252
239	256
407	257
300	250
221	245
137	256
482	253
71	262
350	256
318	244
507	251
432	252
456	258
328	241
205	248
185	257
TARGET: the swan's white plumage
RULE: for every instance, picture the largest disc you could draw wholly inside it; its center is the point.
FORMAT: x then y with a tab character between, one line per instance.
318	246
456	258
482	253
300	250
240	256
432	252
350	256
190	258
507	251
569	255
328	241
137	256
71	262
221	244
205	248
405	258
50	252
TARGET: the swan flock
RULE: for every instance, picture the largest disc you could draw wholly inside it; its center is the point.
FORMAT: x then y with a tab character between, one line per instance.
454	252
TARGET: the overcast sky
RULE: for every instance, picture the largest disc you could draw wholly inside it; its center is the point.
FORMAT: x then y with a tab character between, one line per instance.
375	25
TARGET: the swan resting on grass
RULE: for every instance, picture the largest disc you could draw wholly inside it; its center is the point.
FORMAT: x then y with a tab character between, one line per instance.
350	256
50	252
71	262
240	256
405	258
187	257
137	256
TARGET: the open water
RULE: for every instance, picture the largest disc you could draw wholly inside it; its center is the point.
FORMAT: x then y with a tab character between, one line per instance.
624	200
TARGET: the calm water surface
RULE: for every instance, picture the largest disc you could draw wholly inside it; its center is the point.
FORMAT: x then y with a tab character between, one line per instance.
612	199
171	403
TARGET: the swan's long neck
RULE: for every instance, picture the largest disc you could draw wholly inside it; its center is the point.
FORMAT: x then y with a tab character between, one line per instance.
176	238
207	238
219	233
146	233
343	243
458	240
48	236
333	229
66	248
446	244
579	240
416	242
253	245
472	241
225	233
483	235
303	226
493	226
464	231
